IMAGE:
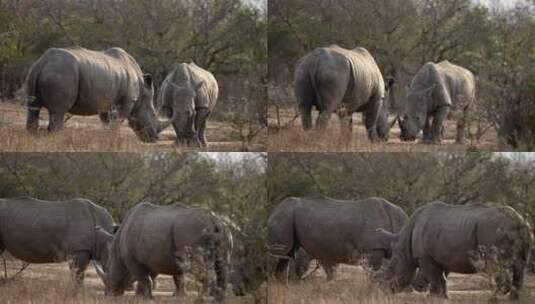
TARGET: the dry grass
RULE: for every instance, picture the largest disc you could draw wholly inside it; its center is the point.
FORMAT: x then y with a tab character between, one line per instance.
51	283
89	134
291	137
352	286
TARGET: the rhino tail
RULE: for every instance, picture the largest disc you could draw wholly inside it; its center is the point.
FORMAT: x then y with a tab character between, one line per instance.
32	92
312	75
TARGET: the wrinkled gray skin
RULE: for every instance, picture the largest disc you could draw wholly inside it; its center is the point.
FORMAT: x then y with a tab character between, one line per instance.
441	238
332	231
85	82
337	80
155	240
38	231
190	92
438	89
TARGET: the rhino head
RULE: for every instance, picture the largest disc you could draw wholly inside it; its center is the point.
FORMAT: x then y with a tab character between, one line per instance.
415	113
103	239
143	119
246	276
183	96
401	270
113	274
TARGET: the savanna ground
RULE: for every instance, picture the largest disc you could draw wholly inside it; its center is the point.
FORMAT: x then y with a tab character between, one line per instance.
351	285
51	283
88	133
286	134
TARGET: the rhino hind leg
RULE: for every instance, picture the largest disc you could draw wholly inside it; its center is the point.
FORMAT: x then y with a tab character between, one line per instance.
371	115
32	121
434	274
330	270
518	279
56	121
78	265
461	125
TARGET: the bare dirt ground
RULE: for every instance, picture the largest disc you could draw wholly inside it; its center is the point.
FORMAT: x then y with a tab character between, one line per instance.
87	133
351	285
51	283
286	135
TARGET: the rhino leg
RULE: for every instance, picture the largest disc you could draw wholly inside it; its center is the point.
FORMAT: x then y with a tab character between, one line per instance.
346	124
178	277
201	116
461	123
305	111
428	134
78	265
438	122
376	259
330	270
371	114
56	121
32	122
434	274
143	278
518	278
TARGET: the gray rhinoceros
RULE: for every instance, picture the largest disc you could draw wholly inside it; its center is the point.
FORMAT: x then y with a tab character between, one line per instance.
332	231
86	82
38	231
163	240
334	79
437	90
441	238
190	92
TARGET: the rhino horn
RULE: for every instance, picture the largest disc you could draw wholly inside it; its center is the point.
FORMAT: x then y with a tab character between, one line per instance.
162	124
100	272
389	236
393	122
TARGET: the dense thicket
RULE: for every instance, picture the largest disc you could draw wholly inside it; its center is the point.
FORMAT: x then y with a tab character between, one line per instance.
233	185
494	41
407	179
226	37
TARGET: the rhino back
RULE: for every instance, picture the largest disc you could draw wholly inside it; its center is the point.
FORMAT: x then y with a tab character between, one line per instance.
451	234
151	235
43	232
335	230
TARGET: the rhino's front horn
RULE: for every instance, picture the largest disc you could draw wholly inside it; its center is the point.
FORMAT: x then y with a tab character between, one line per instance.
100	272
162	124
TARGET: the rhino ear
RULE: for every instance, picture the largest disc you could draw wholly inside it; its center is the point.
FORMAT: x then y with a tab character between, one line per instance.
103	234
147	78
198	85
114	228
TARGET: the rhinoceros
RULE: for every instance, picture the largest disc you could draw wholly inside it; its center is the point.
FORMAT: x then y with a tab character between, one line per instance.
161	240
332	231
441	238
437	90
37	231
86	82
334	79
190	92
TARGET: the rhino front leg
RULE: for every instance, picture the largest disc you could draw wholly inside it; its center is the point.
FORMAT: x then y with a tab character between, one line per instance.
78	265
518	279
32	122
438	123
376	259
428	133
201	116
330	270
434	274
305	110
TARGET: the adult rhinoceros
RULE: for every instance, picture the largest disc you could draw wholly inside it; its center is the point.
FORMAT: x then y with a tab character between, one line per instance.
334	79
190	92
85	82
332	231
441	238
159	240
436	90
38	231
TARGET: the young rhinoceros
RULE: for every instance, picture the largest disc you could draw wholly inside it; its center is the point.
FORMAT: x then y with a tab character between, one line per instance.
191	92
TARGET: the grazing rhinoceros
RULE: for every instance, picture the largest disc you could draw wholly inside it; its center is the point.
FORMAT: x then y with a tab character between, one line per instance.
38	231
190	92
163	240
85	82
334	79
441	238
332	231
436	90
